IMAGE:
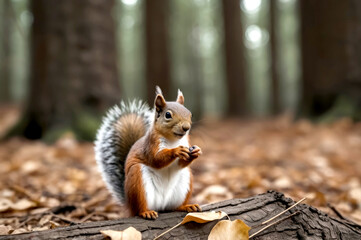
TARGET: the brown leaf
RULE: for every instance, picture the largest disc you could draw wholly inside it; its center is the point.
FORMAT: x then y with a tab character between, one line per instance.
128	234
19	230
203	217
226	229
23	204
4	229
5	204
198	217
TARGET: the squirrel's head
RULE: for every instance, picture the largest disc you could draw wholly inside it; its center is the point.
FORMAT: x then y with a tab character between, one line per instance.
172	119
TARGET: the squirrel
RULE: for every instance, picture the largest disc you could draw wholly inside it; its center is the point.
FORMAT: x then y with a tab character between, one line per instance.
144	155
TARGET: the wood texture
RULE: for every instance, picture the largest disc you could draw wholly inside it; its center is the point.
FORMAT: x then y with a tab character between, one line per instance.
310	223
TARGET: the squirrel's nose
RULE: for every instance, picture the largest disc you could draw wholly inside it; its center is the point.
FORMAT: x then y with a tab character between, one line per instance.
186	126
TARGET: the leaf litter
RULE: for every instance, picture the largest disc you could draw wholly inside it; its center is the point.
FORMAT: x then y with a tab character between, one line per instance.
46	186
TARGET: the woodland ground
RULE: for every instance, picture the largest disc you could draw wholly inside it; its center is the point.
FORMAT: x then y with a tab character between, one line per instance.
45	186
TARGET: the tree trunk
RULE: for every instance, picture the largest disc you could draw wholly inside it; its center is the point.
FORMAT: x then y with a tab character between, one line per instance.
309	223
331	53
73	72
157	48
234	58
274	58
6	22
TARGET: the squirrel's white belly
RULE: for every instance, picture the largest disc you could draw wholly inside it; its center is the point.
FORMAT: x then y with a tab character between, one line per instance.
167	188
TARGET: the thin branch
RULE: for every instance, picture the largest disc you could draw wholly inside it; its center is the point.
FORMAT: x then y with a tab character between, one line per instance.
336	212
294	205
168	230
282	219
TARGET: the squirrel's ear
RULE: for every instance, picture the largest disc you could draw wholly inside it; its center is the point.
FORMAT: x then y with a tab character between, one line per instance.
158	91
180	98
159	103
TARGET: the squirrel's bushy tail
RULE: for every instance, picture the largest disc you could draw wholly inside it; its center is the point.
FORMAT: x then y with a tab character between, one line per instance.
122	126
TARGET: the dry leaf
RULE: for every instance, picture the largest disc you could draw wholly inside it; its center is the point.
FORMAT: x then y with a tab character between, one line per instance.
198	217
4	229
226	229
128	234
23	204
5	204
203	217
45	219
19	230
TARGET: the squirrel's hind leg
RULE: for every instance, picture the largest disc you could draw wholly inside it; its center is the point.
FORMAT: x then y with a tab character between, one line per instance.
136	193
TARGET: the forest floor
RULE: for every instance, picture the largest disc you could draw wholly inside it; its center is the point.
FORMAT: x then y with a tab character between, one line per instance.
45	186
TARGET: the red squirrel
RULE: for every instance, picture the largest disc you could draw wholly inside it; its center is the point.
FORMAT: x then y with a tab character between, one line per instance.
144	156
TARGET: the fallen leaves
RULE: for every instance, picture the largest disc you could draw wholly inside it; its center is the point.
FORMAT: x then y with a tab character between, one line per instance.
240	159
227	229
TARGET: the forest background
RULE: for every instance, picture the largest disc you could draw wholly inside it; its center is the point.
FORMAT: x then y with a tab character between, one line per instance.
271	84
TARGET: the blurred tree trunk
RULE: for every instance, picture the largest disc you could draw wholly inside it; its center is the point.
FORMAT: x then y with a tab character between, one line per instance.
331	51
195	68
6	23
73	73
234	58
157	48
274	58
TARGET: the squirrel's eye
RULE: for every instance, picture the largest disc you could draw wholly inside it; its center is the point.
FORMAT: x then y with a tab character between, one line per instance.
168	115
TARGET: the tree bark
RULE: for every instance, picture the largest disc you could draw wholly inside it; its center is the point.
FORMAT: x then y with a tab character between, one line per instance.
73	71
234	58
157	48
331	53
275	99
309	223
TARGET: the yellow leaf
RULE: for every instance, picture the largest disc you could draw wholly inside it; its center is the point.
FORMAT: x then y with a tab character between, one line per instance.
229	230
23	204
128	234
4	229
198	217
5	204
203	217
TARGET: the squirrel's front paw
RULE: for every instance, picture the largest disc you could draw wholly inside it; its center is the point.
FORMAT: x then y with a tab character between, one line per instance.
182	153
195	152
150	214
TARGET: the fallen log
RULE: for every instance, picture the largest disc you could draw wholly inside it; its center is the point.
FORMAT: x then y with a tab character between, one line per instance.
309	223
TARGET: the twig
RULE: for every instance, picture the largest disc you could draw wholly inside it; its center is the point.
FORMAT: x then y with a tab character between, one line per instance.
274	223
294	205
87	217
168	230
22	190
26	221
65	219
336	212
